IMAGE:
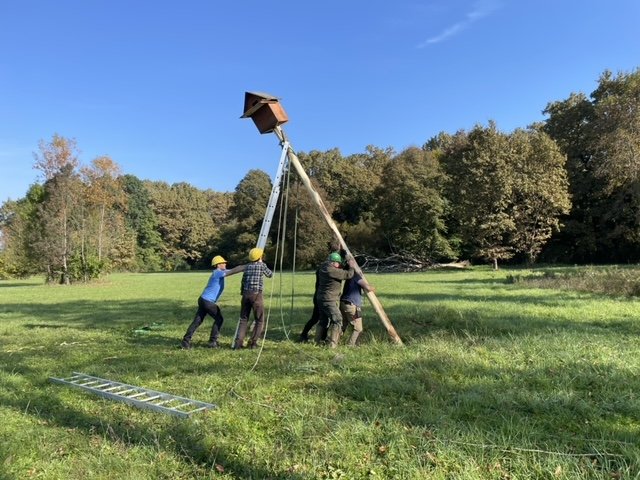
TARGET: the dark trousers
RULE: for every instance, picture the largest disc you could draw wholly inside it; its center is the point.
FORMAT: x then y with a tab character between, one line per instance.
250	301
315	316
205	308
329	324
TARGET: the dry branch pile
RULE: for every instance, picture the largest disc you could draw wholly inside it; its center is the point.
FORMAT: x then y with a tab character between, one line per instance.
402	262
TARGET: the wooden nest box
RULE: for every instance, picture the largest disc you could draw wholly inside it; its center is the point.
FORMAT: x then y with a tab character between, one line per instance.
265	111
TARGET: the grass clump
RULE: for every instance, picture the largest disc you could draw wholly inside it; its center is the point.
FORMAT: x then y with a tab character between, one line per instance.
614	280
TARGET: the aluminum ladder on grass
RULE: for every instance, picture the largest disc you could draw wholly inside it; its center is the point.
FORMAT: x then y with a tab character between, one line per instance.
137	396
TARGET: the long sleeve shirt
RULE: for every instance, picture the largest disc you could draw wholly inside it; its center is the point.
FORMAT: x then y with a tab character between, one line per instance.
252	279
330	281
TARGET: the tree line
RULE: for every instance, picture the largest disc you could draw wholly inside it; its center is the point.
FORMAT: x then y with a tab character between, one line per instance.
563	190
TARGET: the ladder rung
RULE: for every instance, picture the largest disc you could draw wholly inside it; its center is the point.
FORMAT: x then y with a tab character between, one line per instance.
149	399
112	388
88	383
136	395
180	406
127	391
196	410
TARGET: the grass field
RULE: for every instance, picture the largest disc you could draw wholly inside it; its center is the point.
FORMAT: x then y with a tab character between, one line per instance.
496	380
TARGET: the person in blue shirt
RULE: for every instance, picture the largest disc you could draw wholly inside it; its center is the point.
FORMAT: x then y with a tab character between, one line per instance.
207	302
351	305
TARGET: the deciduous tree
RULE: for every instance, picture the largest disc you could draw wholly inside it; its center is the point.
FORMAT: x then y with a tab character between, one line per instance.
480	190
540	190
411	207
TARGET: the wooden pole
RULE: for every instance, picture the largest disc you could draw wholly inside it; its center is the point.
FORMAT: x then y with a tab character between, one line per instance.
293	159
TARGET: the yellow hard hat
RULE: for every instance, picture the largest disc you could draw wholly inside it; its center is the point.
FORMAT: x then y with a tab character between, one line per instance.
217	260
255	254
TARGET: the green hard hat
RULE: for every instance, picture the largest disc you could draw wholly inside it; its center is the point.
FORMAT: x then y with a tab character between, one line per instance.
335	257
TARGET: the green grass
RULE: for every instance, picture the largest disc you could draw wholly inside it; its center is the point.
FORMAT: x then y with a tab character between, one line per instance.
495	380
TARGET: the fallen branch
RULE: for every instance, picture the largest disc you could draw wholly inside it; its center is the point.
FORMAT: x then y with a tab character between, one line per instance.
403	262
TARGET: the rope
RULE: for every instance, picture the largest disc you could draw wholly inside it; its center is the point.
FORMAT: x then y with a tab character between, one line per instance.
278	260
295	248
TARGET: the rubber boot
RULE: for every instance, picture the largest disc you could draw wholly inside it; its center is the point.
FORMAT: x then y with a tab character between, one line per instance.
333	335
321	334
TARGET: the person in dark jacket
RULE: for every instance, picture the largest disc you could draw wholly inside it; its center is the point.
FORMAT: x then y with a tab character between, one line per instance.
315	314
330	278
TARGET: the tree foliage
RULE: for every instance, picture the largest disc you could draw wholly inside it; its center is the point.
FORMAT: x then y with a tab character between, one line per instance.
18	225
55	155
305	231
60	217
600	136
480	188
184	222
141	221
411	206
564	189
540	194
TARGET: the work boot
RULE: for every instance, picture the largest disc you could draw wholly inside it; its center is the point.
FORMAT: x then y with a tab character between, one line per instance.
184	344
357	330
333	335
213	336
321	335
241	332
303	338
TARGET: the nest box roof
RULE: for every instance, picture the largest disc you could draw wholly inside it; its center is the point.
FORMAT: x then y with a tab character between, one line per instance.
254	100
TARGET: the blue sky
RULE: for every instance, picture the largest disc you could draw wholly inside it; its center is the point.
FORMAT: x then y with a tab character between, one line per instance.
159	86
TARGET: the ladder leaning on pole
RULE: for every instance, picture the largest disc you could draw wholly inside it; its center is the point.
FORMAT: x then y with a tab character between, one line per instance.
137	396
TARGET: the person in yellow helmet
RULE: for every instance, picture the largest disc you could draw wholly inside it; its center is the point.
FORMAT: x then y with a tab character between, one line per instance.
251	290
207	302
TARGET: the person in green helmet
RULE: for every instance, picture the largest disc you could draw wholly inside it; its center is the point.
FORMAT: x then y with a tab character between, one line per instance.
330	278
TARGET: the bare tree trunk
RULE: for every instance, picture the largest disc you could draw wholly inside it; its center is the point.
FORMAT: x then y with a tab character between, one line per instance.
65	245
100	229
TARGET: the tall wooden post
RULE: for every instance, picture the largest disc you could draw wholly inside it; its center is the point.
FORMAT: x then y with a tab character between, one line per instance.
293	160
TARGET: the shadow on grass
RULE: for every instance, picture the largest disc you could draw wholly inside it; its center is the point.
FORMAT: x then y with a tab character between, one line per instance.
182	437
6	284
92	314
570	408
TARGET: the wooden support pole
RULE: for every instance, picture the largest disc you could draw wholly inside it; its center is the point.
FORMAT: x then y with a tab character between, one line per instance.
293	160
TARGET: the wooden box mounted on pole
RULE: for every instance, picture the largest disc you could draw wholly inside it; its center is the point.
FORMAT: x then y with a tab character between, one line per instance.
265	111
